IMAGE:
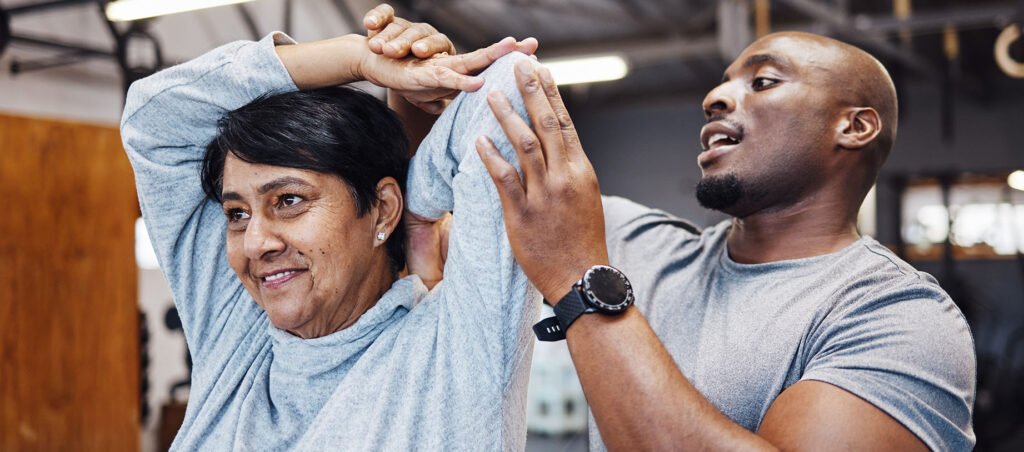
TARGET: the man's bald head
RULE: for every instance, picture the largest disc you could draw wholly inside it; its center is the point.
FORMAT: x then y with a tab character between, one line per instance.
857	78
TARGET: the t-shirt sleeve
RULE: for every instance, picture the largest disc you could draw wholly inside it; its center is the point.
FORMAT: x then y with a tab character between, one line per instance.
907	351
168	120
624	218
487	303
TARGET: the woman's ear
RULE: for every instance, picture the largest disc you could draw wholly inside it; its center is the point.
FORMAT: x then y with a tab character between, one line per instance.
858	127
388	209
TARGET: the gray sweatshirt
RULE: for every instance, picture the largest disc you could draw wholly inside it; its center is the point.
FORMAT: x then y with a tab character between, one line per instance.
440	370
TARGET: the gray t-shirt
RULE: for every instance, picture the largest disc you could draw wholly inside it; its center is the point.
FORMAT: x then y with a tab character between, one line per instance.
439	370
860	319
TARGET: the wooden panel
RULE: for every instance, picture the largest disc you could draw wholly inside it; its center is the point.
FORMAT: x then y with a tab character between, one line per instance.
69	372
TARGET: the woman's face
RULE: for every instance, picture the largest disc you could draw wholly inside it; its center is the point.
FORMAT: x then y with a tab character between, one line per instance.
296	242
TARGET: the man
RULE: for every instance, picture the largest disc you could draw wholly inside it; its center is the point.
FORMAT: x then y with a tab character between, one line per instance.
782	328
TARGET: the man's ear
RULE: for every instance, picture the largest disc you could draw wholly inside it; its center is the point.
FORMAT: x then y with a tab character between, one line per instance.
388	209
858	127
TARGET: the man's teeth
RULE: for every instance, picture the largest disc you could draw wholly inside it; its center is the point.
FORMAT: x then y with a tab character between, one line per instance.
720	137
277	276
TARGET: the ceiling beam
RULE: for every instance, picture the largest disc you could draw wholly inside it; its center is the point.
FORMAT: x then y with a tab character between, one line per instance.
840	22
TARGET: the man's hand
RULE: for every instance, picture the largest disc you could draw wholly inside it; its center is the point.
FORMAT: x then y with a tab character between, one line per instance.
427	247
553	215
395	37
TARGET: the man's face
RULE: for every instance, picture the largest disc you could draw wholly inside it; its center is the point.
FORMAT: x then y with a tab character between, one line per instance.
296	242
770	127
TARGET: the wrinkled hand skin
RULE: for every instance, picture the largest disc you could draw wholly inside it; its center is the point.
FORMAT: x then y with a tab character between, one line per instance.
427	83
553	214
395	37
420	63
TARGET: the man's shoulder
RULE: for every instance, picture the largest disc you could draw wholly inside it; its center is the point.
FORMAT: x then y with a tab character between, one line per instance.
624	214
880	269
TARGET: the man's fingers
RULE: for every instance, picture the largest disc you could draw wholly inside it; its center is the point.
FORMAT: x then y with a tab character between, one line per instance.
391	31
378	18
524	141
569	137
431	45
504	175
545	124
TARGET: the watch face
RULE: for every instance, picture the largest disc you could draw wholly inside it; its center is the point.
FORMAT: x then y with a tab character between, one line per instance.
607	289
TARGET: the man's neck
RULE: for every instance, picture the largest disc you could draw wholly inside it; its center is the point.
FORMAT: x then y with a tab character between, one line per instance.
804	230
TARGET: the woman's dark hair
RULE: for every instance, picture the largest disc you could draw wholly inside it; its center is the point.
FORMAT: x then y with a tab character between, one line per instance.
339	131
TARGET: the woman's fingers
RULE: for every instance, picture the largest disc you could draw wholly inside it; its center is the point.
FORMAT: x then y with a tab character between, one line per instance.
528	148
433	77
377	18
435	44
400	46
478	60
379	42
545	123
527	46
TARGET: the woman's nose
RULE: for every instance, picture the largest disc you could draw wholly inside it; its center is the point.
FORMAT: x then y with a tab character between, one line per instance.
262	239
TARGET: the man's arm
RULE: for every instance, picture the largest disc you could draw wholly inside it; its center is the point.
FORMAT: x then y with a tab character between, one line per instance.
638	396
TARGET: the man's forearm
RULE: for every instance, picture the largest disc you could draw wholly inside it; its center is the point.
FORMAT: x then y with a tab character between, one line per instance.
638	396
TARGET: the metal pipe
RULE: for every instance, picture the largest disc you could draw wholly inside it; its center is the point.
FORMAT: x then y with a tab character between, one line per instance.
841	22
36	7
250	22
61	45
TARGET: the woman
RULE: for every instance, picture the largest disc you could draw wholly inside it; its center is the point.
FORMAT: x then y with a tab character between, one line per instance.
304	336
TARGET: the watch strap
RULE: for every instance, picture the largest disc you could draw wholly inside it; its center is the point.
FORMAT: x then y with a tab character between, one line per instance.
567	310
571	307
549	330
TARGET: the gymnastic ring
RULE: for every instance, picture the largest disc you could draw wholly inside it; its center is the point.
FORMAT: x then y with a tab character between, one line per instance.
1011	67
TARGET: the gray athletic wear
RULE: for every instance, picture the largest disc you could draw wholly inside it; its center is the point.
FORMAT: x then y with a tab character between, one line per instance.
860	319
444	370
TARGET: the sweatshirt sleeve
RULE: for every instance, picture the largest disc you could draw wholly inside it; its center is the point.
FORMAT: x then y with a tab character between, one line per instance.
490	302
168	120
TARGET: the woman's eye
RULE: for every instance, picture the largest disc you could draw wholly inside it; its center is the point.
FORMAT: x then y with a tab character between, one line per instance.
289	200
762	83
236	215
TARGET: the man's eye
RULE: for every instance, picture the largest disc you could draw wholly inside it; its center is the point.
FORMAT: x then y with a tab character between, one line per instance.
290	200
762	83
236	215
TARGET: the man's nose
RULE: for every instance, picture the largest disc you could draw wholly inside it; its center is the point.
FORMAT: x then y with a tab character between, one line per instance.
719	101
262	239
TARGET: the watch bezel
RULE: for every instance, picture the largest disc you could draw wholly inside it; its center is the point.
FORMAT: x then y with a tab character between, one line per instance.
596	302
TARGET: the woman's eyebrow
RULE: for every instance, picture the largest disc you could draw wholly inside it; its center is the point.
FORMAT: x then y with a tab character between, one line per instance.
281	182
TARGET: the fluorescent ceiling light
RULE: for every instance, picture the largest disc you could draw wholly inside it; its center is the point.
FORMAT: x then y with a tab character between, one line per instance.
127	10
1016	180
587	70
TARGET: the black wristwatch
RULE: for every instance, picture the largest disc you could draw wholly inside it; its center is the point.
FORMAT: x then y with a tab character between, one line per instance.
602	289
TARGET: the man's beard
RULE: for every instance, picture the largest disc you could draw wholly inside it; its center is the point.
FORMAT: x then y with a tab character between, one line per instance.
719	192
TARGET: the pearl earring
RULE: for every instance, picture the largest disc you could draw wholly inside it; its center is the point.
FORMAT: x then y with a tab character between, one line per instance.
381	235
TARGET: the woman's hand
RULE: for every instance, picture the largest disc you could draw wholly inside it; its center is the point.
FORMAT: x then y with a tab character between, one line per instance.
395	37
428	83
